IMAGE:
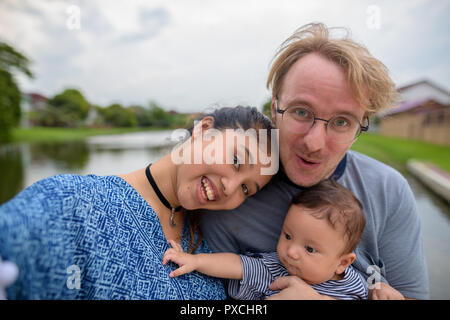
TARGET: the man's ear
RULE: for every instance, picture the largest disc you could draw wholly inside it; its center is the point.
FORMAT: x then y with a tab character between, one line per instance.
273	111
203	125
345	260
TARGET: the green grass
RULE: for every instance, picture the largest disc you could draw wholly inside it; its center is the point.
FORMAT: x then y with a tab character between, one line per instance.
397	151
49	134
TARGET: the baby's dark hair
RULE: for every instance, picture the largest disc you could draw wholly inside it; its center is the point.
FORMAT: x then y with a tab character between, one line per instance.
338	205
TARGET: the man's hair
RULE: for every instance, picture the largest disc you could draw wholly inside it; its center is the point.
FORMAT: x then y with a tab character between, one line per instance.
367	76
328	199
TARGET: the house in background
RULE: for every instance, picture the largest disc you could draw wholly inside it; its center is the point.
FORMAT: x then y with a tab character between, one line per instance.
423	114
31	102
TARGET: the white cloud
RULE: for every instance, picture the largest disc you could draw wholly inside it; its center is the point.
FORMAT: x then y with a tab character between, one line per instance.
188	55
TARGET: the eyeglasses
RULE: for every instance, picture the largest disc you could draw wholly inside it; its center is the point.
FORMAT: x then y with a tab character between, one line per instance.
340	128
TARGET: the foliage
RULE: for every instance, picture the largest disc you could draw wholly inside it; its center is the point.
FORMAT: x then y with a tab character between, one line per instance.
266	108
67	109
10	60
9	104
158	117
154	116
118	116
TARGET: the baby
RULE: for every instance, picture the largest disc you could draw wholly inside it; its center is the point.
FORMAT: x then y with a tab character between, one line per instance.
321	230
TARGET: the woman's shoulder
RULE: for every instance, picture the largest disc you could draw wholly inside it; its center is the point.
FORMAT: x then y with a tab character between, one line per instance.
65	189
59	186
64	184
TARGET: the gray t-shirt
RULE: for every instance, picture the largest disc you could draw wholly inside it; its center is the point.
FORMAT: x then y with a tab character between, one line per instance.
391	241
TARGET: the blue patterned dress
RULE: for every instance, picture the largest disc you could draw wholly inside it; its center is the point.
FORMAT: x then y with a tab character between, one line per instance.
92	237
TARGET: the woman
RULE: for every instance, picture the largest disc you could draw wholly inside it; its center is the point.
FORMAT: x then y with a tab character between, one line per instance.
93	237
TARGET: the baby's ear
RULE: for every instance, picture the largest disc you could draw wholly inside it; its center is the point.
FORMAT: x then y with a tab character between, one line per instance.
345	260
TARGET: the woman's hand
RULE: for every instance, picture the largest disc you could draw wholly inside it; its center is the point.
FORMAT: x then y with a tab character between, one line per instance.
8	274
186	261
385	292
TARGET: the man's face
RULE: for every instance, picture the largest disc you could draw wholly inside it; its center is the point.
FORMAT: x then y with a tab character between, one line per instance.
321	85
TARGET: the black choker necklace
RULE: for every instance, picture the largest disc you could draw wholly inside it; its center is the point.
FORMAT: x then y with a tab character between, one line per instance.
160	196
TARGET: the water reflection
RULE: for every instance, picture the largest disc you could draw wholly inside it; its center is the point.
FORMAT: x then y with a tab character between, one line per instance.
23	164
63	156
434	213
422	193
12	171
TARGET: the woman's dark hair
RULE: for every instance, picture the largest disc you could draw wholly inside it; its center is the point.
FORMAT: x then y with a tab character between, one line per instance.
338	205
239	117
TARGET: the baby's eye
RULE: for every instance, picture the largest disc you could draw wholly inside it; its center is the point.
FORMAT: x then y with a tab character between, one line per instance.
310	249
245	189
288	237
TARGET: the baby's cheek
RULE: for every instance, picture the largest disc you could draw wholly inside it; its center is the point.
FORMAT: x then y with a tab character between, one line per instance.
314	273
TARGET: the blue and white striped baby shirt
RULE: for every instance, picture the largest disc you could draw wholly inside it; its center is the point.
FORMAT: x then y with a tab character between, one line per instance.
260	270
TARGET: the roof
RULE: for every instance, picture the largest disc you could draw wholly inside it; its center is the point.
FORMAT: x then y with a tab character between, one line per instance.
411	104
37	96
423	81
406	105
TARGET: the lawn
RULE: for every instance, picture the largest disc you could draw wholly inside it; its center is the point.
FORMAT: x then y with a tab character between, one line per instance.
396	151
50	134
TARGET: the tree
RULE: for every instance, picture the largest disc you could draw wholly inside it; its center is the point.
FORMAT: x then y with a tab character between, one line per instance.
10	60
159	117
142	115
118	116
67	109
266	108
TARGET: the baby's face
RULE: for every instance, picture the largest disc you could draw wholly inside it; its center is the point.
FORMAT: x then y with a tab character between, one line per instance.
310	248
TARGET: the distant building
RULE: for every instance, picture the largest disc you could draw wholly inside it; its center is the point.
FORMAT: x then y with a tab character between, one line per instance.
31	102
194	115
423	114
93	118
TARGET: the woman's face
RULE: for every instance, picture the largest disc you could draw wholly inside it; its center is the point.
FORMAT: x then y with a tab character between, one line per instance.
224	169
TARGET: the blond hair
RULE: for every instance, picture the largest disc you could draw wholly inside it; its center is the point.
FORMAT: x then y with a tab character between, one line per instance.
368	77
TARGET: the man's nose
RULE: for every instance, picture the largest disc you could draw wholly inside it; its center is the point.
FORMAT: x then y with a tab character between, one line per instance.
315	138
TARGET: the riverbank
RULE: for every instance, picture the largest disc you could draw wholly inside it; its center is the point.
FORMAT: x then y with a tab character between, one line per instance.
396	151
52	134
393	151
435	179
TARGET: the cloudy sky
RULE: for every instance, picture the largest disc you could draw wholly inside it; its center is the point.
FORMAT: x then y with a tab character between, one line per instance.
188	55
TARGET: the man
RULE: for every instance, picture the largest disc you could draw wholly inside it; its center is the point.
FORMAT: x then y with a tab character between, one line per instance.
323	91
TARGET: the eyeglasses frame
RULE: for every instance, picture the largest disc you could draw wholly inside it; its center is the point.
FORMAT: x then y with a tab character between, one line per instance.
361	127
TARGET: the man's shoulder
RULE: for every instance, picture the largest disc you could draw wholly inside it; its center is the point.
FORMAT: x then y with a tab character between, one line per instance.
374	182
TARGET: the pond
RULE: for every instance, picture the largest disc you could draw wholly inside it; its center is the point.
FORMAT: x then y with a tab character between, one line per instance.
23	164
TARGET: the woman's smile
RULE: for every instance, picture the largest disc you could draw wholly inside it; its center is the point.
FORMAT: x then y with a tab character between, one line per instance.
207	190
